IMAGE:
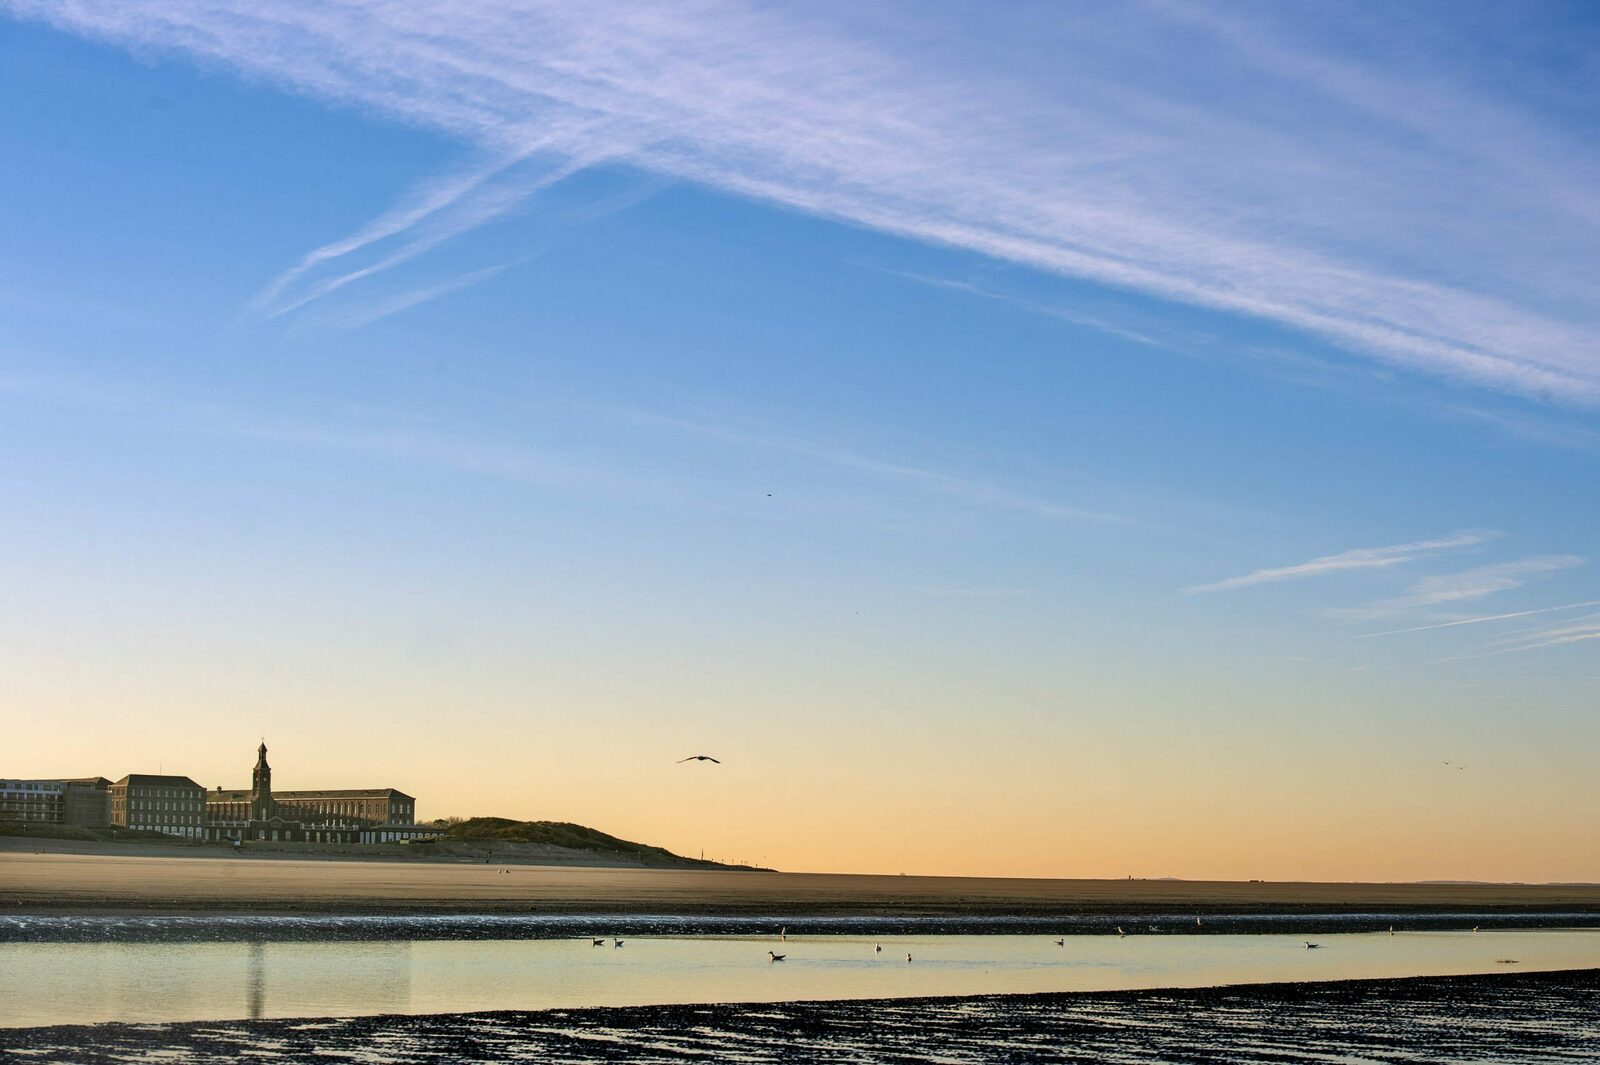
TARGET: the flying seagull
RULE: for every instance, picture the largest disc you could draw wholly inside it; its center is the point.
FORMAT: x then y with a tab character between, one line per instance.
699	758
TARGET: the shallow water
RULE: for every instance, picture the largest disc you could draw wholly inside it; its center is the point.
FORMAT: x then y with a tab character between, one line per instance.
281	928
80	983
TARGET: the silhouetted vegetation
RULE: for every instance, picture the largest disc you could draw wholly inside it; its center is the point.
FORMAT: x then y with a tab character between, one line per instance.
558	834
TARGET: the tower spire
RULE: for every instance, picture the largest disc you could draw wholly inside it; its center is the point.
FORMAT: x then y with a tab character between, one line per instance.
261	786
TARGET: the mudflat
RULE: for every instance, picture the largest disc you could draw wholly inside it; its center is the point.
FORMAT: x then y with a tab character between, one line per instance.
1524	1019
35	883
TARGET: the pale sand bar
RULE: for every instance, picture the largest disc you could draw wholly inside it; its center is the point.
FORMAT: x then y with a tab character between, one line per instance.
33	883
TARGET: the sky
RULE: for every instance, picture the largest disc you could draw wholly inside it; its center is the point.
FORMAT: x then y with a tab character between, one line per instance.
1151	439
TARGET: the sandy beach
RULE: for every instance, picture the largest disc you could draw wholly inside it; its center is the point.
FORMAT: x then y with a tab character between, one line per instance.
77	883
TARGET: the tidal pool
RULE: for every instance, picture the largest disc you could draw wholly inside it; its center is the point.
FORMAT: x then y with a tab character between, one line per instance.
86	983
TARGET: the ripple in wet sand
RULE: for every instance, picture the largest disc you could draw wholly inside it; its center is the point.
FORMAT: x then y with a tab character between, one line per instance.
1514	1018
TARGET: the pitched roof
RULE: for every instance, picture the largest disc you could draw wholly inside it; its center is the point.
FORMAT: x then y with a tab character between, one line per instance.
342	793
157	780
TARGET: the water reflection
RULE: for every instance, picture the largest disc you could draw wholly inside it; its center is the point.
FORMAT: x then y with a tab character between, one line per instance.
68	983
256	982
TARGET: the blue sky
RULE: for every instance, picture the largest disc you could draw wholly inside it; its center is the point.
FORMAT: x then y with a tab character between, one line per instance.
1087	388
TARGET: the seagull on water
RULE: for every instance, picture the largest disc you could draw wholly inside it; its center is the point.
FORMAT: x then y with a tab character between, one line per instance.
599	942
908	957
616	943
1313	946
1061	942
699	758
877	948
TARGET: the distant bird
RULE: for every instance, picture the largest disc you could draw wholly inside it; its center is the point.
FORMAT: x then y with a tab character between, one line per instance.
1120	932
1505	961
1197	922
699	758
599	942
616	943
1391	930
877	948
776	957
1061	942
1474	928
1313	946
908	957
783	933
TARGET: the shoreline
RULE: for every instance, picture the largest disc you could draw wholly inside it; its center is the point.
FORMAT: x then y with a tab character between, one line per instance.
130	927
1516	1018
68	883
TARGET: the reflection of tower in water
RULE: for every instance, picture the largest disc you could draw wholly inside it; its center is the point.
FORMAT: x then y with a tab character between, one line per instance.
255	981
308	978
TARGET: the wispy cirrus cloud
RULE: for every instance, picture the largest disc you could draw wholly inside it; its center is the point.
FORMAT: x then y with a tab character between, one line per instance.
1516	614
1582	631
422	232
1465	586
1155	147
403	301
1361	558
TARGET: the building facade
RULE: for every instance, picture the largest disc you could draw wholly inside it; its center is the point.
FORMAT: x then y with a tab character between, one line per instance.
345	815
149	802
87	802
34	802
82	803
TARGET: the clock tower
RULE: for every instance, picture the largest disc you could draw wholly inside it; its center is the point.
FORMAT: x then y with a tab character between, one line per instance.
261	787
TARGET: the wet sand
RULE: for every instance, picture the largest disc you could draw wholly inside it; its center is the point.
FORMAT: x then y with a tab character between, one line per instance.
1521	1018
53	883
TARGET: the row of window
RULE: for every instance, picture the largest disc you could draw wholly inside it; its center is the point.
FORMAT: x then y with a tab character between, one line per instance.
137	805
173	830
165	793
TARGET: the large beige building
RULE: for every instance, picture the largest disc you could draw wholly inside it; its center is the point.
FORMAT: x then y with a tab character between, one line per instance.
150	802
338	815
